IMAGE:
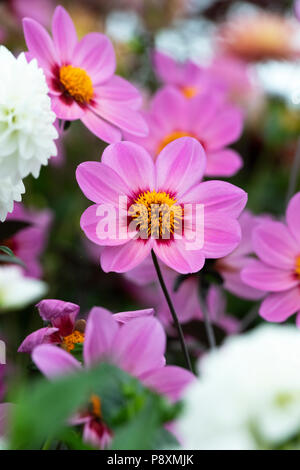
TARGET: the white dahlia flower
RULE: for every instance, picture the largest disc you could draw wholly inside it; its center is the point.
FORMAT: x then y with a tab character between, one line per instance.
9	192
17	290
27	132
248	394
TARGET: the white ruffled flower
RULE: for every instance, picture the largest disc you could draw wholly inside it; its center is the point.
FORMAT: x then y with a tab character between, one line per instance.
17	290
27	132
248	393
9	193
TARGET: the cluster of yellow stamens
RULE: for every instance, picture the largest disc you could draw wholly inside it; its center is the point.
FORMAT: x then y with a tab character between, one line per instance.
298	266
173	136
189	91
77	83
77	337
96	406
156	215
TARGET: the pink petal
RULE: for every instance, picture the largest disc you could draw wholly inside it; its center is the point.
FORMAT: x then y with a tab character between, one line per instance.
170	381
119	89
293	217
139	346
279	306
264	277
124	317
100	183
224	129
54	361
180	165
221	235
217	196
121	115
95	54
40	44
64	34
101	329
61	314
166	68
177	256
234	284
133	164
102	129
170	108
224	163
68	110
89	224
41	336
125	257
274	245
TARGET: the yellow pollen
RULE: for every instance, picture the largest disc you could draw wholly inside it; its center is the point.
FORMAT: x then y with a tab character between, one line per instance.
173	136
77	83
96	406
156	214
69	341
189	91
298	266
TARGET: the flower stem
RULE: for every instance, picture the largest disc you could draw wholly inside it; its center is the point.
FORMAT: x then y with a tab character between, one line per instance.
208	326
295	170
173	312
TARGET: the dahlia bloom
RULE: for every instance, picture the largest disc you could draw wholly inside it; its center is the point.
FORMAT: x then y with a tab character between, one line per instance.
18	291
207	118
230	267
63	327
247	396
277	269
28	244
188	77
81	80
27	132
137	347
9	192
171	186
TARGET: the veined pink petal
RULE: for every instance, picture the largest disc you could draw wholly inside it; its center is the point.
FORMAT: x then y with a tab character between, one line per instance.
68	110
179	166
121	115
217	196
54	361
40	44
101	128
170	381
139	346
274	245
221	235
64	34
91	218
100	183
125	257
293	217
176	255
227	127
41	336
119	89
267	278
279	306
225	162
124	317
132	163
101	329
95	54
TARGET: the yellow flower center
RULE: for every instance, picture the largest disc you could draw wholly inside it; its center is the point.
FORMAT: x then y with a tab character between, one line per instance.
76	83
298	266
173	136
189	91
156	214
69	341
96	406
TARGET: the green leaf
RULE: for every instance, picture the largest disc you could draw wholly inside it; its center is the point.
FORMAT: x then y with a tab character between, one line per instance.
11	227
8	259
6	250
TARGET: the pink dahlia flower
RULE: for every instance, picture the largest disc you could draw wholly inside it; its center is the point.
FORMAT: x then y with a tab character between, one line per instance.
137	347
277	270
81	79
206	117
29	243
172	186
188	77
63	327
